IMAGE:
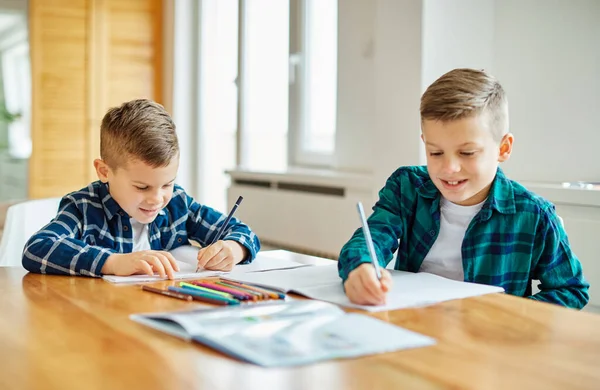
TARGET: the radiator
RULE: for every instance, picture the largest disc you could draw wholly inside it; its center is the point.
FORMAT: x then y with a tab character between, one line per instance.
315	219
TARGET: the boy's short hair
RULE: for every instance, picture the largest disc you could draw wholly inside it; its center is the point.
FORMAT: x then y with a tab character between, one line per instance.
139	129
464	93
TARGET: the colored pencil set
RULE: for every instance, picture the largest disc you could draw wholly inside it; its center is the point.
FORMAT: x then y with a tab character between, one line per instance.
218	292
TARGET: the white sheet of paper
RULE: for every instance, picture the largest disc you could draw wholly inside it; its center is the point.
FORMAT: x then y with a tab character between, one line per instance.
408	289
294	280
186	259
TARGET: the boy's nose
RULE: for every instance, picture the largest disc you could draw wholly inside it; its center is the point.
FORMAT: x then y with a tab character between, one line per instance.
451	165
154	199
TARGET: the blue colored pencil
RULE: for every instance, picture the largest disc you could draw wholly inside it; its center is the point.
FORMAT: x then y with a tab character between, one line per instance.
202	294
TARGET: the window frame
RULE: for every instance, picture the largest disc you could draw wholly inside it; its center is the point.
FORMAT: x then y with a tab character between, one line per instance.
297	155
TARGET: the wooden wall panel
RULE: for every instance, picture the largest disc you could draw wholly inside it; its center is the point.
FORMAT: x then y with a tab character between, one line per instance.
58	41
87	56
133	50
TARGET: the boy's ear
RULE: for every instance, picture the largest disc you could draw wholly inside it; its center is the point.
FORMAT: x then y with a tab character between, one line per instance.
506	145
101	170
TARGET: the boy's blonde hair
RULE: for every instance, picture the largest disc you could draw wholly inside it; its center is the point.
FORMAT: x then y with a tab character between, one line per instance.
139	129
464	93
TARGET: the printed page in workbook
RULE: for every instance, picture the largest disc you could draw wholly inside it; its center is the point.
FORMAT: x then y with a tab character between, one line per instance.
285	333
187	255
408	289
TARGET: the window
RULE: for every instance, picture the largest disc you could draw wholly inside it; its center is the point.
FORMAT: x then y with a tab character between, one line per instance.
313	82
17	91
263	110
266	95
288	83
218	97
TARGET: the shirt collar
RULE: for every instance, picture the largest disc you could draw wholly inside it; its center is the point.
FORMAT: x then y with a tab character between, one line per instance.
501	197
111	207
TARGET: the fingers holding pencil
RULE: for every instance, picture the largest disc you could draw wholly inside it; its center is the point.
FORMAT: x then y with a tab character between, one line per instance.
221	256
204	259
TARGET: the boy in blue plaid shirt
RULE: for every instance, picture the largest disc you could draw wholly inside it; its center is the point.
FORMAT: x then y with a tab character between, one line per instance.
126	222
460	217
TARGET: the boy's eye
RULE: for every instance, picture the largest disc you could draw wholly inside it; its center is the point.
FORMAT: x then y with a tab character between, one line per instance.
435	153
467	153
141	188
168	185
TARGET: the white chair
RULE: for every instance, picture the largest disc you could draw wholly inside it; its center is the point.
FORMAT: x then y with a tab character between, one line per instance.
22	221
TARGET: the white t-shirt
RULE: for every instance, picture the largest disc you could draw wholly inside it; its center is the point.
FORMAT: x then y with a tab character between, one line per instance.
141	238
445	256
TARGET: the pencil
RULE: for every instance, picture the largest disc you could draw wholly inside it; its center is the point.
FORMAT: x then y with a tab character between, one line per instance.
224	226
236	294
207	290
255	294
204	296
167	293
368	239
217	237
271	293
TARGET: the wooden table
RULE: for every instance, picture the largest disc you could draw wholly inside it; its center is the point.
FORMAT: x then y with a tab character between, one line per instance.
75	333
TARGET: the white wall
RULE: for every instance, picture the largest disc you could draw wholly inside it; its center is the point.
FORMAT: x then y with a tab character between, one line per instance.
379	73
547	56
356	85
545	53
397	81
456	34
449	40
389	52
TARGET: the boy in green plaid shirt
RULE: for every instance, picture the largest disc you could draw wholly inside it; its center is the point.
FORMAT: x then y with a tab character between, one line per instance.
460	217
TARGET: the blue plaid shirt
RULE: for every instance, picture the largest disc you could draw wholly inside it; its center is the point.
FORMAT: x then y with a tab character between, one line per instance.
90	226
515	238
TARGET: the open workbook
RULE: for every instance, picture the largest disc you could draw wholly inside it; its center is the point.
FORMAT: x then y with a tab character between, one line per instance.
186	257
408	290
285	333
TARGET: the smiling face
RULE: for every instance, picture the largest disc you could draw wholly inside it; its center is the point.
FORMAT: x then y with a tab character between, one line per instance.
140	189
463	156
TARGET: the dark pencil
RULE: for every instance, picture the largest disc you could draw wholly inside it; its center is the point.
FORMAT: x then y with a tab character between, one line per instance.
167	293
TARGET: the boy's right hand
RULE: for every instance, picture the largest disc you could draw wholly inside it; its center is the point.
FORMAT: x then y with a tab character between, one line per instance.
143	262
363	288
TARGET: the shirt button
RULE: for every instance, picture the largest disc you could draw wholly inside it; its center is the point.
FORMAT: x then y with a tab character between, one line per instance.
126	228
121	213
432	233
179	239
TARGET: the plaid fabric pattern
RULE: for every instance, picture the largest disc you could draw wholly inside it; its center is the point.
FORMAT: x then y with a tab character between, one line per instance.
515	238
90	226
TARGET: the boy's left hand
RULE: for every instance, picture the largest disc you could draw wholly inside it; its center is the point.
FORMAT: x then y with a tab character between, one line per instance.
221	256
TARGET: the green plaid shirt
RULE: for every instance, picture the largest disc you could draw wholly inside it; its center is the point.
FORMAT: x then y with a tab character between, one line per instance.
515	238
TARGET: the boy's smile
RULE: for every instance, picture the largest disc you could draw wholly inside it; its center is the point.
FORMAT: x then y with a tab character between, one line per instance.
453	184
462	157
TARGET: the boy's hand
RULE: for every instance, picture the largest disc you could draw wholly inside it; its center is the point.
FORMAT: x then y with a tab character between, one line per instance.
221	256
363	288
142	262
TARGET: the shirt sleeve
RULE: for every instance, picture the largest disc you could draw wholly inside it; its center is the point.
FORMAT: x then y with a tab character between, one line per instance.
558	269
204	223
385	225
58	248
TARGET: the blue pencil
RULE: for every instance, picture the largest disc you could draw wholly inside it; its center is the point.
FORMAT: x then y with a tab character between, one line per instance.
202	294
368	239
